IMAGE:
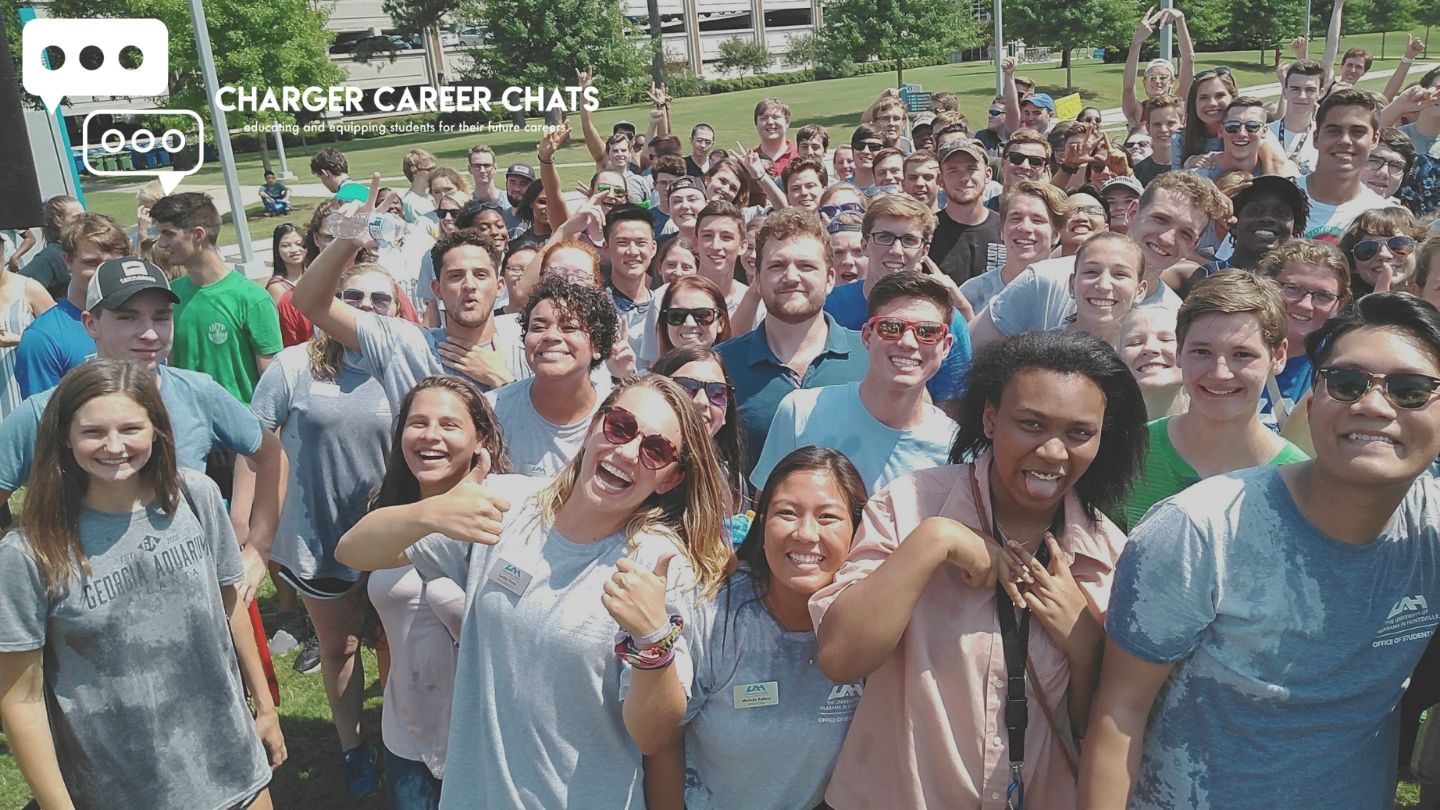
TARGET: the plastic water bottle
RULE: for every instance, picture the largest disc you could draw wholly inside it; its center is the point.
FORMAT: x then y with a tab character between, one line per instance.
388	230
738	526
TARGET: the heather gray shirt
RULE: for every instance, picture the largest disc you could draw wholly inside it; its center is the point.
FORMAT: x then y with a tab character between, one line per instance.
537	446
145	698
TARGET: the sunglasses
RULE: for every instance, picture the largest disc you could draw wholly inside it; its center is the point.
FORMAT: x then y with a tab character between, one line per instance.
1132	145
677	316
832	211
995	113
886	239
1407	391
1212	73
717	392
602	188
620	428
381	301
1294	293
926	332
1370	248
1233	127
1090	120
868	146
447	213
1017	159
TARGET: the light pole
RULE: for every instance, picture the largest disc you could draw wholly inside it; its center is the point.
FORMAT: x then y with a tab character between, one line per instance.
1167	35
222	133
999	49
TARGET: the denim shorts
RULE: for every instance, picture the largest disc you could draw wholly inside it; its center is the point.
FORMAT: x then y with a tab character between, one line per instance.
410	785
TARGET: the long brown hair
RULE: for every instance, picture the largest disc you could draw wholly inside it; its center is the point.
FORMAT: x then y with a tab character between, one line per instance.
50	519
399	485
691	514
327	355
704	285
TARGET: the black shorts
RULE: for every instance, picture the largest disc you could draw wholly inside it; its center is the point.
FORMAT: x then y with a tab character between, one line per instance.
318	588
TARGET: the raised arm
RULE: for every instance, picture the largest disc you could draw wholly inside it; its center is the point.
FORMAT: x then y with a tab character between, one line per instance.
593	141
1413	48
556	209
1129	102
315	291
1187	50
1111	759
27	727
1012	96
1332	43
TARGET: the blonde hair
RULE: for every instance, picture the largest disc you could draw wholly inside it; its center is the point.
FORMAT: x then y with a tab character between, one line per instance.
327	355
900	206
692	515
1054	200
1308	251
1235	291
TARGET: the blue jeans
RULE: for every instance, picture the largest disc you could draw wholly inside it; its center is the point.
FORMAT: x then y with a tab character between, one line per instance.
410	785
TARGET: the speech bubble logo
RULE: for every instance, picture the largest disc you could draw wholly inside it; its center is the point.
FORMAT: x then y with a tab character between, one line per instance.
86	41
114	142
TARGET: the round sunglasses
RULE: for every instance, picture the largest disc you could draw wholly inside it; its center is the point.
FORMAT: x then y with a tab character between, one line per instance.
718	393
677	316
619	427
890	328
1405	390
1370	248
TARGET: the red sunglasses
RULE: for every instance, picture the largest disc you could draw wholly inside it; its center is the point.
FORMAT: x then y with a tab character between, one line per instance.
620	427
891	328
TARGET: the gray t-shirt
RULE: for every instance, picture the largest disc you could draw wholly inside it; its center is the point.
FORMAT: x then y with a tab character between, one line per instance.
399	354
336	434
764	724
1039	298
203	417
538	690
145	698
537	446
978	290
1291	649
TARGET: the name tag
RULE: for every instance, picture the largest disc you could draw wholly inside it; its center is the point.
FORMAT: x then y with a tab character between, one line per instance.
755	695
511	577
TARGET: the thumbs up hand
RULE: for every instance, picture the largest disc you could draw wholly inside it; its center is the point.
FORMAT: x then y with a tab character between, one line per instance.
467	512
635	597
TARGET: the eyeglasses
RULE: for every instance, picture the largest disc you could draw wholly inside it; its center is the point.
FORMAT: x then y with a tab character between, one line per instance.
1130	146
1092	119
1088	210
886	239
1407	391
1233	127
926	332
718	393
1294	293
447	213
832	211
620	428
704	316
996	113
890	119
1379	164
1017	159
381	301
1370	248
868	146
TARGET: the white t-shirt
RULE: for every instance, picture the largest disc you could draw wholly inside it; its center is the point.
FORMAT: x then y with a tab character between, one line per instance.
1330	221
1039	298
1299	146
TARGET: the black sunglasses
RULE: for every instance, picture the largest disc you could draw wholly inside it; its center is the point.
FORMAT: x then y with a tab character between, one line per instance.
832	211
704	316
1017	159
1251	127
447	213
717	392
1407	391
868	146
1370	248
620	427
381	301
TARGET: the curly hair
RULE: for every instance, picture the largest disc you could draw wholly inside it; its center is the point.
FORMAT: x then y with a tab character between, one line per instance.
591	308
461	238
1307	251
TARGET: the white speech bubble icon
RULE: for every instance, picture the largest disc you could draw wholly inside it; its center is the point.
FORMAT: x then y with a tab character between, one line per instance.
144	141
110	77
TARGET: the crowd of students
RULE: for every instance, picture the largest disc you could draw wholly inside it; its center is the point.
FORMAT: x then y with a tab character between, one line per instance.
949	468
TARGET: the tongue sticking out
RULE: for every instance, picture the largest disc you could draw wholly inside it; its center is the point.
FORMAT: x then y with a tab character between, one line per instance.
1042	488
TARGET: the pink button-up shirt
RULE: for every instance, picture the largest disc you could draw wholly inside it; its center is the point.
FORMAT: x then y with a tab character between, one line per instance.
930	728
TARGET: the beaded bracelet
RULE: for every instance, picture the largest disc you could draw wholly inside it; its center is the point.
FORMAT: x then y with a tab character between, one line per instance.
651	656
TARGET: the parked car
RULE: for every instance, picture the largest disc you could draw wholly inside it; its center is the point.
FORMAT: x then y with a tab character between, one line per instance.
472	36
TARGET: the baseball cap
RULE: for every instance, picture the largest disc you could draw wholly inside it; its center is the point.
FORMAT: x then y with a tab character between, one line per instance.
1039	100
970	147
1126	182
1162	64
116	280
623	126
1283	187
924	119
683	184
524	170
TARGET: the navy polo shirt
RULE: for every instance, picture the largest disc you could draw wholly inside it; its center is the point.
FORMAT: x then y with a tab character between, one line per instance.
761	380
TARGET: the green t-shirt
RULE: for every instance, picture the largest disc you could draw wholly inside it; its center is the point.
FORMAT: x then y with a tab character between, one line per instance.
352	191
222	327
1166	473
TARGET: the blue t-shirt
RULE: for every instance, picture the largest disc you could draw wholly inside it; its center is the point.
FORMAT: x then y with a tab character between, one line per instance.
834	416
1291	649
1294	381
203	417
846	304
50	346
761	380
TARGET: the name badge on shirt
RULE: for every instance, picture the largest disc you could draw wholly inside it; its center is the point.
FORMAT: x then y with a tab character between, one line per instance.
511	577
755	695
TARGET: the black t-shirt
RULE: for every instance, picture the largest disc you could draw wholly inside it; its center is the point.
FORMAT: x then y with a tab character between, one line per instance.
965	251
1147	170
692	169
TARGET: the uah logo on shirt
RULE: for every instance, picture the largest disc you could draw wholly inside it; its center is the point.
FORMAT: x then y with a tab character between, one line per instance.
1410	619
841	703
218	334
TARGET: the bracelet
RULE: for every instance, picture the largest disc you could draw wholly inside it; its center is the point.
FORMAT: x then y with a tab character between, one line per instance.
1407	60
651	656
550	162
660	633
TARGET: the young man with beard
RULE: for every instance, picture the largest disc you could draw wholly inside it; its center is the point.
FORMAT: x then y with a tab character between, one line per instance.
883	423
967	234
1173	214
569	330
1295	131
894	235
797	345
1346	131
630	245
399	353
1315	653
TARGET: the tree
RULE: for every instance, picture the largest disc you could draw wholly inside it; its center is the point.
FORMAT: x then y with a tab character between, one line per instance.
1070	23
738	54
543	42
1391	15
1428	15
277	43
1263	24
862	30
